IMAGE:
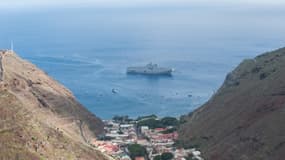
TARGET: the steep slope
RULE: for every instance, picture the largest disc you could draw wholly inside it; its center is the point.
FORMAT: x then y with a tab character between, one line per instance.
39	118
245	118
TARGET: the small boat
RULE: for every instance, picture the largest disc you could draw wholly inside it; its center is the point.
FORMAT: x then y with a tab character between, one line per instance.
114	91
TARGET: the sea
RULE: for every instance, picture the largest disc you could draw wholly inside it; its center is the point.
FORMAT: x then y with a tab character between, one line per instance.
88	50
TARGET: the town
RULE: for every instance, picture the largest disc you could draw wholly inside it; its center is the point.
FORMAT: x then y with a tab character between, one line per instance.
145	138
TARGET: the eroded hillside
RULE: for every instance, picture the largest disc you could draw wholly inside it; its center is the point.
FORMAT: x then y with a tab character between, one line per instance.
39	118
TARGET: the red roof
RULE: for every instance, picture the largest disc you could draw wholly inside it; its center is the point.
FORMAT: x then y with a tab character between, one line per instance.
167	136
139	158
160	129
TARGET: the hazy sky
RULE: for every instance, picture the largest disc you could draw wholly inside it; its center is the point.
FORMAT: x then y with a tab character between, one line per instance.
127	3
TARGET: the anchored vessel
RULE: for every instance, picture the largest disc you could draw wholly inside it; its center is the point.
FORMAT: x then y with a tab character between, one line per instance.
150	69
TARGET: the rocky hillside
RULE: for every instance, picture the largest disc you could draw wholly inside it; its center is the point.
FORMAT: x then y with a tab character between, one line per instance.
245	119
39	118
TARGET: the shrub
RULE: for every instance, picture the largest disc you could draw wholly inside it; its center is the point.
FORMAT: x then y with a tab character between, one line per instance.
137	150
158	157
169	121
167	156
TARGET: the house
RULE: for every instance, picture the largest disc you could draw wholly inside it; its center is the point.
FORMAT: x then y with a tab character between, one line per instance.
144	129
139	158
125	157
159	129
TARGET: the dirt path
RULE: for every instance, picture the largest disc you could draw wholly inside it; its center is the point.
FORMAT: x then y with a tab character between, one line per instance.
81	132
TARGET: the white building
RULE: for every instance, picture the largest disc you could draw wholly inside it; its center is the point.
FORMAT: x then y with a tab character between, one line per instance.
144	129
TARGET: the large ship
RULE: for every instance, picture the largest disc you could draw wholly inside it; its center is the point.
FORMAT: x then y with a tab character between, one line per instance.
150	69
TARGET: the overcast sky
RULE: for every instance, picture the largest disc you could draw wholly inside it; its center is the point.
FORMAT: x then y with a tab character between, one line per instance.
127	3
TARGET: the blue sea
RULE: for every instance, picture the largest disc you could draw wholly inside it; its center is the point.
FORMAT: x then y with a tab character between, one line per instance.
89	49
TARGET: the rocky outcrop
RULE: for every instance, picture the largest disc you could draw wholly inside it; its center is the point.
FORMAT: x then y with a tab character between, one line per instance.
40	118
245	118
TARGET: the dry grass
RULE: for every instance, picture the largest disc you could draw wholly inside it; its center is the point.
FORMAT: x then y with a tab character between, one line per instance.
23	137
39	118
245	119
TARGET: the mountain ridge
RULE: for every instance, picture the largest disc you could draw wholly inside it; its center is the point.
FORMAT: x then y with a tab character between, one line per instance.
243	120
40	116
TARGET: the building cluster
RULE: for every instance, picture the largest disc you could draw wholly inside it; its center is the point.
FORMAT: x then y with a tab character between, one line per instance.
158	142
118	136
116	139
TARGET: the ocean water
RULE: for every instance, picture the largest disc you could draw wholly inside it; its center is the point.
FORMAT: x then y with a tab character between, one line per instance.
89	49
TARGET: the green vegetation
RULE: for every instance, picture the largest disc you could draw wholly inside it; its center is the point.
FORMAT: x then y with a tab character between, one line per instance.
122	119
169	121
167	156
154	123
164	156
158	157
137	150
151	123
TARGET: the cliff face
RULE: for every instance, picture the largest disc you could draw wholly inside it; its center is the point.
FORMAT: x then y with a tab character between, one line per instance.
39	118
245	118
